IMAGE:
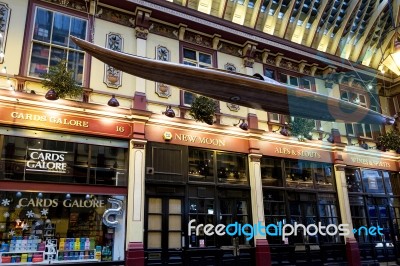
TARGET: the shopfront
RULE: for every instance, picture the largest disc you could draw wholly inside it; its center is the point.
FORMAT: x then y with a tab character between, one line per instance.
62	194
198	178
299	187
372	184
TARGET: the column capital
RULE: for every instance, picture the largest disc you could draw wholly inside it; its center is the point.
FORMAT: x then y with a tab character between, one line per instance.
255	157
339	167
138	143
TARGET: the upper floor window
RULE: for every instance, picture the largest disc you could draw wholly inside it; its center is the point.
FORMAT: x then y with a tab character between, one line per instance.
354	97
269	73
354	129
50	42
195	58
289	80
304	83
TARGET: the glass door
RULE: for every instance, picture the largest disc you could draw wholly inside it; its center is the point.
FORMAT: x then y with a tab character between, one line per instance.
234	208
378	212
164	230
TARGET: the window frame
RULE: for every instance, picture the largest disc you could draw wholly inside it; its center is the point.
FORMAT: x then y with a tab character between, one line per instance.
197	49
28	37
358	129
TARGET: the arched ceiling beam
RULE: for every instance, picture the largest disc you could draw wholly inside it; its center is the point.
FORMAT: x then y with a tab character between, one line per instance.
326	38
239	15
285	19
339	34
320	32
387	43
270	21
298	31
382	51
314	26
350	39
221	8
355	54
256	11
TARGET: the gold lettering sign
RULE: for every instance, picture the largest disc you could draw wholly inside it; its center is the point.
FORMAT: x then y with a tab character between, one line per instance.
297	153
368	162
200	140
51	119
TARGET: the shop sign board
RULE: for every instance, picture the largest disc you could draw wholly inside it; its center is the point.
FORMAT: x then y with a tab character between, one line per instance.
46	161
196	139
369	162
295	152
57	120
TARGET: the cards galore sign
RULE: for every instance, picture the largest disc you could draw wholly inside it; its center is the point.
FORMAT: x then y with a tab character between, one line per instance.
46	161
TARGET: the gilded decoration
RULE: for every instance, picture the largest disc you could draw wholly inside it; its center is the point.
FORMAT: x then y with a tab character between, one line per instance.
115	17
198	39
258	57
112	76
289	65
248	62
141	33
307	71
163	30
163	54
78	5
4	21
230	49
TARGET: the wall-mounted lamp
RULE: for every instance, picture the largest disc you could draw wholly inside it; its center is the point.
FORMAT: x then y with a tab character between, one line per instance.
309	136
364	145
284	131
169	112
113	102
51	95
242	124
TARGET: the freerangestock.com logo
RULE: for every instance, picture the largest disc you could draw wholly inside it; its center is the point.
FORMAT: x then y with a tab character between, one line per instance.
280	229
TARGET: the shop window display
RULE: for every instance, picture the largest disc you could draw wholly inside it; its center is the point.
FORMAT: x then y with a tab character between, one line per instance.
56	228
29	159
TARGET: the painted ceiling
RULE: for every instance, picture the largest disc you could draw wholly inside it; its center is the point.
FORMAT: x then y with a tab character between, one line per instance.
359	31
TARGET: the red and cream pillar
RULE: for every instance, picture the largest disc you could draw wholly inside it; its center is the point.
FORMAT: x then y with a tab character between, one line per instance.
135	209
263	255
352	249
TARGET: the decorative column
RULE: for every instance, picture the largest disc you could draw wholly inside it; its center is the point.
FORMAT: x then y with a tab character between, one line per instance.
248	52
135	209
263	254
142	25
352	249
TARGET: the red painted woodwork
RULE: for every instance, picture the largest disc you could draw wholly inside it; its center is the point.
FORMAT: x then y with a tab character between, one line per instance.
263	253
135	254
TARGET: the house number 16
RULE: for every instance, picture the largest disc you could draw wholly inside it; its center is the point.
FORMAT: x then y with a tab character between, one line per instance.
120	129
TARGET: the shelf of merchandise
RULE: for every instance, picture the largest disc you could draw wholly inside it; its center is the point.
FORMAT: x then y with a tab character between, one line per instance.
20	252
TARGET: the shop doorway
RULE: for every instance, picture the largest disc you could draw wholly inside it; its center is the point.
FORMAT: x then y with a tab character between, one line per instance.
379	214
164	229
234	207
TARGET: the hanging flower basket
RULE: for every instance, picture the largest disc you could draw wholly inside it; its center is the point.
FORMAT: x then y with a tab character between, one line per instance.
60	80
301	127
203	109
389	141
